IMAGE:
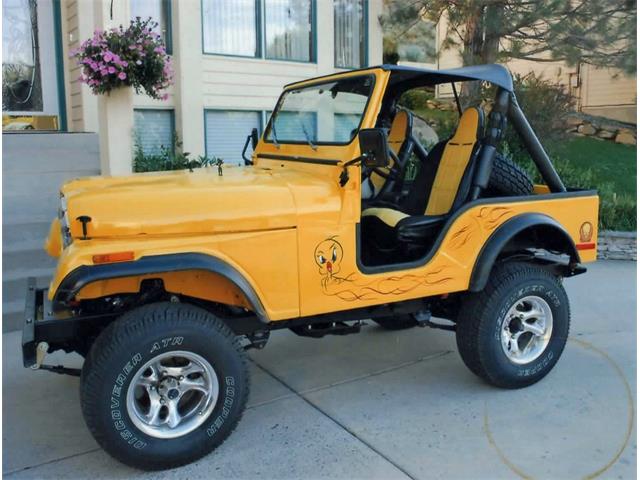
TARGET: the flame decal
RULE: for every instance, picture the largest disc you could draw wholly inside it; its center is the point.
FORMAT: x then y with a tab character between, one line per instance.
491	217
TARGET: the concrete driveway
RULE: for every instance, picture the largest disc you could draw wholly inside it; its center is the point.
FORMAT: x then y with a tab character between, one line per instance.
381	405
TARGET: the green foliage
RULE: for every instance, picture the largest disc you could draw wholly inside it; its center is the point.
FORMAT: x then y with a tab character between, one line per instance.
617	211
169	158
546	105
610	162
415	99
601	33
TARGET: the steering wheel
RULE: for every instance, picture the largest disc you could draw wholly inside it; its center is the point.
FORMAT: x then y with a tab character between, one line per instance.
392	174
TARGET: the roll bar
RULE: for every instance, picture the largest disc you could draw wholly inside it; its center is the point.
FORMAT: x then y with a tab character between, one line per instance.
533	146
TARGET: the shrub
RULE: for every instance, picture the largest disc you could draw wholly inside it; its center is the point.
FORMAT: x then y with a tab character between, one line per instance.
545	104
415	99
132	57
168	158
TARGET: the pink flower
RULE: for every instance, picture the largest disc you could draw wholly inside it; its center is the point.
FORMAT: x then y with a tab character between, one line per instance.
104	72
112	70
164	96
122	75
107	57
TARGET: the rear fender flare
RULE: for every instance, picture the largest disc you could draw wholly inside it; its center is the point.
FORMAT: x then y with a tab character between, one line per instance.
506	232
86	274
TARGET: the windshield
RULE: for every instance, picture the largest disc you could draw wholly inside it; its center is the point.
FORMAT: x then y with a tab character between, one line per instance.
326	113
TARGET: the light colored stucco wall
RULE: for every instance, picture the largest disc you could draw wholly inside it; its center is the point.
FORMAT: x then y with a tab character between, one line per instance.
203	81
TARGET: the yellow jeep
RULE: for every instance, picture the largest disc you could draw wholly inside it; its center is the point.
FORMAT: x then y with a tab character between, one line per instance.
165	279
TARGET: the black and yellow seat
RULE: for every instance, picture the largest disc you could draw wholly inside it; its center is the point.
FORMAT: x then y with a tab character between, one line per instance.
442	185
398	141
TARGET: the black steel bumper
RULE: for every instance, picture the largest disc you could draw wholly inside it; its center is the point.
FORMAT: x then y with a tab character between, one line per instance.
55	331
32	309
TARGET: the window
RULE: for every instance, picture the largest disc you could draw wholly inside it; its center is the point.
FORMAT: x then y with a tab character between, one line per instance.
288	29
328	113
349	24
153	130
272	29
159	11
229	27
227	131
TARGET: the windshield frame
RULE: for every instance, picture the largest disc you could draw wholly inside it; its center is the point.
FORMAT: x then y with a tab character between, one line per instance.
323	81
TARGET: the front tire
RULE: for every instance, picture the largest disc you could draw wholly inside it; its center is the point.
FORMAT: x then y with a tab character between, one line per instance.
513	332
164	385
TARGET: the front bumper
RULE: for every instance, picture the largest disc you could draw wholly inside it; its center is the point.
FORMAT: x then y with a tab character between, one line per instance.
45	331
33	307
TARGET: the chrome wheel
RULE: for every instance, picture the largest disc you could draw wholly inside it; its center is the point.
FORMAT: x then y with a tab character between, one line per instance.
172	394
526	329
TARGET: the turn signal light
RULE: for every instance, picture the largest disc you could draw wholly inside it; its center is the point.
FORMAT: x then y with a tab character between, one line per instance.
113	257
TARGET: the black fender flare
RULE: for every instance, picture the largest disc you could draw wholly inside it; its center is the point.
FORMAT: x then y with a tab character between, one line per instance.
499	239
175	262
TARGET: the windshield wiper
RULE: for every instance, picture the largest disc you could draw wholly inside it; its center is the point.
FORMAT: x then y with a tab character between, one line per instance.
308	137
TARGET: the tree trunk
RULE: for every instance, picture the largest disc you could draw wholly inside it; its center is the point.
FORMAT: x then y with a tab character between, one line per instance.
473	40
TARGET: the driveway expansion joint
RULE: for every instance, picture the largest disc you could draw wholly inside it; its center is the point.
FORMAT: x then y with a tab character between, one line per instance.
336	421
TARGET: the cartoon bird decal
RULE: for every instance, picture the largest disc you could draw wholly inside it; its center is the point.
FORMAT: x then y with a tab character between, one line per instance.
328	255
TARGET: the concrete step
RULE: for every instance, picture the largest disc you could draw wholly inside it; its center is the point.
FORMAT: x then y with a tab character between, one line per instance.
15	288
18	236
25	260
12	315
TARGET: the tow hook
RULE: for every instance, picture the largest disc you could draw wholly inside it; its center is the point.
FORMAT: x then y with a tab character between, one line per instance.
41	351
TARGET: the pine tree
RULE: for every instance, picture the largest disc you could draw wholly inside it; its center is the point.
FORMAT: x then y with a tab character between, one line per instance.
597	32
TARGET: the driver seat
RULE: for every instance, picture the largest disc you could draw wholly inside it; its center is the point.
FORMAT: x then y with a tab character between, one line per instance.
399	132
441	187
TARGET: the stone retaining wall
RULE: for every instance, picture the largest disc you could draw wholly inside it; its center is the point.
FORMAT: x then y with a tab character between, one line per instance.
617	245
601	128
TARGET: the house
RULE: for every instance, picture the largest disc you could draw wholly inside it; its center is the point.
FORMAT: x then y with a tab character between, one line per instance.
605	92
231	57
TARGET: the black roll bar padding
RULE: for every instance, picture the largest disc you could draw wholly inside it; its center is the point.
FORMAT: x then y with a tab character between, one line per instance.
492	138
534	147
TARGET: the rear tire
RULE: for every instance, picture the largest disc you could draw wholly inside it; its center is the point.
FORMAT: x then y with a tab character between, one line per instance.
513	332
164	385
398	322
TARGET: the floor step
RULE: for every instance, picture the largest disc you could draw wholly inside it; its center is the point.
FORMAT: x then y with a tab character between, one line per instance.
15	289
25	260
12	315
16	234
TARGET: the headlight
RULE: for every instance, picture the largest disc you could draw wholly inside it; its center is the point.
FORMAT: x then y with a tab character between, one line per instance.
64	222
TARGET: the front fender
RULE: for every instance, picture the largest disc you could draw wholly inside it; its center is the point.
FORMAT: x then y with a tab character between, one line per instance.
78	278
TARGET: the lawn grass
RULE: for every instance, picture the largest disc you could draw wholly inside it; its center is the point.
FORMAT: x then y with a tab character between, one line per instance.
609	162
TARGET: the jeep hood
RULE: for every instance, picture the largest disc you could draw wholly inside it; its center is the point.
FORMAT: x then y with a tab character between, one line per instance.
183	202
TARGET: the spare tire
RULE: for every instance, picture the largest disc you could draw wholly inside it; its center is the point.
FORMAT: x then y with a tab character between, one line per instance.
508	179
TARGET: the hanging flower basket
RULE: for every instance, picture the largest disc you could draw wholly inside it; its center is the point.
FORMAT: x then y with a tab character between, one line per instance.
132	57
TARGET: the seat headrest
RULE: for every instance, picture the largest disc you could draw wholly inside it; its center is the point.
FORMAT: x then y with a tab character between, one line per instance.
471	126
400	126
